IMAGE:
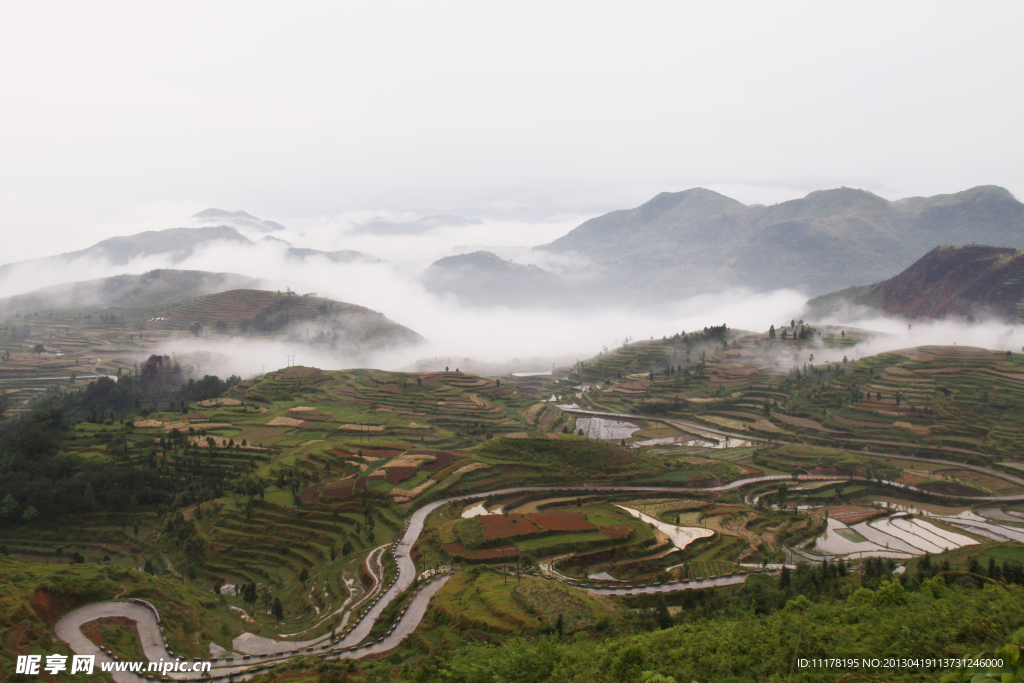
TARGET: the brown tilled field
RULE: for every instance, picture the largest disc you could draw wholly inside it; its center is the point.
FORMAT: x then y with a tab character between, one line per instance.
616	532
559	521
500	526
396	475
444	459
851	514
457	550
339	488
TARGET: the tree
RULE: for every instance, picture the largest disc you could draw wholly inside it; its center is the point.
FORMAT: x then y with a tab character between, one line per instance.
782	495
771	332
661	616
303	576
30	514
784	580
278	610
8	507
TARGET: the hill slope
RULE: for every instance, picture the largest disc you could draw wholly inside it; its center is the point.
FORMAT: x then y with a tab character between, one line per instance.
127	291
698	240
482	278
971	282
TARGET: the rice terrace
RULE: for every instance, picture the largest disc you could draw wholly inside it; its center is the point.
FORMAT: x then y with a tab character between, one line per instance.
504	343
338	515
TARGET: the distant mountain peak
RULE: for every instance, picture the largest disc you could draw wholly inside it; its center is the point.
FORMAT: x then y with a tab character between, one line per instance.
682	243
237	219
484	278
220	213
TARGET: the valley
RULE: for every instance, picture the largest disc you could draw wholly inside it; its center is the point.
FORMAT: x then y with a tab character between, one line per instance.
344	519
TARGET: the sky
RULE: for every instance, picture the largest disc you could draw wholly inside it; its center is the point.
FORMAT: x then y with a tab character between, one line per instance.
121	116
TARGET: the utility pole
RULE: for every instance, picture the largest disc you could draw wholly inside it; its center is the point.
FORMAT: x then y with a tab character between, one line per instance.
503	552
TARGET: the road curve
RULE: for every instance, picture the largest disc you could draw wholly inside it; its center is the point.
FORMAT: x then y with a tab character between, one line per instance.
68	628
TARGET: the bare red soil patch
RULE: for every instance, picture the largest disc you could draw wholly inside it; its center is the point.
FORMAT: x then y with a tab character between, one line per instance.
851	514
500	526
444	459
339	488
559	521
616	532
396	475
484	554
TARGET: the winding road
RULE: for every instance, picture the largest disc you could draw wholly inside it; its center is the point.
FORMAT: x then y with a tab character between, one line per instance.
350	644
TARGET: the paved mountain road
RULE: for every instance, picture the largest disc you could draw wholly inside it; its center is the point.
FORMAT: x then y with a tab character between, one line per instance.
69	626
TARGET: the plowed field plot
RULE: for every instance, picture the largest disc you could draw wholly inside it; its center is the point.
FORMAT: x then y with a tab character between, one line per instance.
500	526
851	514
559	521
399	474
444	459
616	532
385	454
340	488
484	554
311	416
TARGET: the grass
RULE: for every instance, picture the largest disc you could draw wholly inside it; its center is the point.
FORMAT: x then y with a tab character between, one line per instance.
124	642
481	598
851	535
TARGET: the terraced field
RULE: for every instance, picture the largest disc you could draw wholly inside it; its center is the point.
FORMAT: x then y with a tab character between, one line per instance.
232	307
956	403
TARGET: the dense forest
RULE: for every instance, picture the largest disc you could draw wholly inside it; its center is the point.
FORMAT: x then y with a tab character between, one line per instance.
42	480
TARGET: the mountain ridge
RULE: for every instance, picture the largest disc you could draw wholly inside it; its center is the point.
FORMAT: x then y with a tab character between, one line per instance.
829	239
972	281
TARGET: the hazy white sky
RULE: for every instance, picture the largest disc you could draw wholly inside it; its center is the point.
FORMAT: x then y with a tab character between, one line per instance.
121	116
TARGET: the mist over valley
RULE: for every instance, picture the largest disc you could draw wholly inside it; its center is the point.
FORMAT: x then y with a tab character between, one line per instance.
652	342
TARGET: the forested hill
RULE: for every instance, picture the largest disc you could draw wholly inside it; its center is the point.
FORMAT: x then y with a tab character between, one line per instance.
154	288
698	240
972	282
